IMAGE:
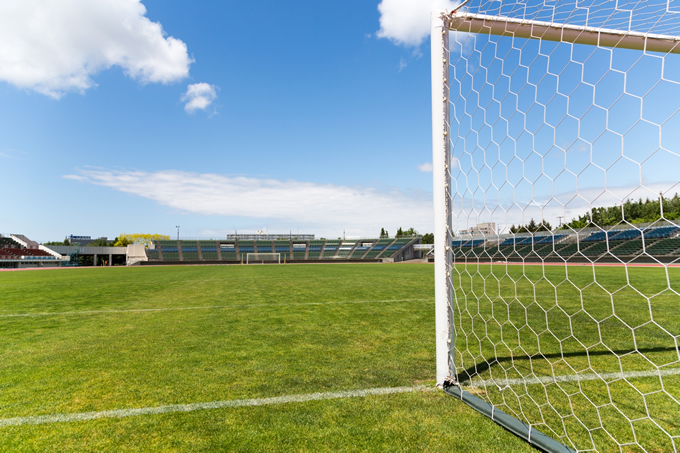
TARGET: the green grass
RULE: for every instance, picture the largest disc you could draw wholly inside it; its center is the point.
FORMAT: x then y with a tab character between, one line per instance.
532	321
272	331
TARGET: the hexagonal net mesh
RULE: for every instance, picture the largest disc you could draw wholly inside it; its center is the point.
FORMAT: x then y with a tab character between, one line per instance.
564	163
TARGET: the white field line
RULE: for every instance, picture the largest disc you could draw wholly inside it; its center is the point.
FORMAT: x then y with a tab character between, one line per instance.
570	378
211	307
122	413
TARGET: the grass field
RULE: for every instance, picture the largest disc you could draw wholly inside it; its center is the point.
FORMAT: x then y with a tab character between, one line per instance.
603	330
77	341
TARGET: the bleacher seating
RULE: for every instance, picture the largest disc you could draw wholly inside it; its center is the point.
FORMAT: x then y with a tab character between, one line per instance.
208	250
299	250
282	247
345	249
330	249
627	248
660	232
663	247
594	237
624	235
228	251
314	249
245	247
360	250
597	249
616	244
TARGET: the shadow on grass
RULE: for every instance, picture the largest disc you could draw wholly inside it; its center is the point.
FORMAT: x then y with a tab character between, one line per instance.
484	366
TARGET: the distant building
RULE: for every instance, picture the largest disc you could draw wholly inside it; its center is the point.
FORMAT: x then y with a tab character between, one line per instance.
487	229
83	240
263	235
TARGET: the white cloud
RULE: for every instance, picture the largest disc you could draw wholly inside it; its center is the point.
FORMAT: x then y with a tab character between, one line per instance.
359	209
426	167
55	46
568	205
199	96
407	22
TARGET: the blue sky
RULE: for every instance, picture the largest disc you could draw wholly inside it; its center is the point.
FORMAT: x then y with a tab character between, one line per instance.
129	116
548	130
311	122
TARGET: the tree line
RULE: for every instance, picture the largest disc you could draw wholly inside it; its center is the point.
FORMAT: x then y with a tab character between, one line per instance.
639	211
427	238
123	240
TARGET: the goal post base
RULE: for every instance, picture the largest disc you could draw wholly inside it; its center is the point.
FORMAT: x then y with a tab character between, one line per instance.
515	426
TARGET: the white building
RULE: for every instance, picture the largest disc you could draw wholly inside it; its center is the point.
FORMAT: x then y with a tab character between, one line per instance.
486	229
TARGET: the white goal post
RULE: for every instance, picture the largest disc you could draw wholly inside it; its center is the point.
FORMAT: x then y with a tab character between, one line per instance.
263	257
555	112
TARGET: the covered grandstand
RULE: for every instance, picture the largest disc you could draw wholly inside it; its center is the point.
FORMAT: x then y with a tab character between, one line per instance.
290	250
17	252
646	243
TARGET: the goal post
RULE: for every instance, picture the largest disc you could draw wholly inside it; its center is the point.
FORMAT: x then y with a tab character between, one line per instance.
559	113
263	257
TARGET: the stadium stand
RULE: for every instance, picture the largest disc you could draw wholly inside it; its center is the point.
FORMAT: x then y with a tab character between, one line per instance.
228	251
233	251
208	250
189	250
284	248
299	250
330	249
345	249
264	246
633	243
17	251
619	244
314	249
360	250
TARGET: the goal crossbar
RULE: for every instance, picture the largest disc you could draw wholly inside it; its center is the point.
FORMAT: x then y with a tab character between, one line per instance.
551	31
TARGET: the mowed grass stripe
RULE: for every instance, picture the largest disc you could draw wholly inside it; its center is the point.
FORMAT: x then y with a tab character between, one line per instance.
213	307
142	288
90	363
82	364
122	413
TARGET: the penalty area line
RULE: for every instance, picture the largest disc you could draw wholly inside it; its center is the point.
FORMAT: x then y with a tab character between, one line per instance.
210	307
123	413
609	377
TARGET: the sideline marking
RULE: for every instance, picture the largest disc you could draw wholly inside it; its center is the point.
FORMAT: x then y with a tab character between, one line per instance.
212	307
122	413
570	378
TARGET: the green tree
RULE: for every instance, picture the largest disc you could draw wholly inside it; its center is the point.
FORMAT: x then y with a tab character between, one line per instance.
100	242
384	233
400	232
633	211
531	227
428	238
409	232
124	240
65	242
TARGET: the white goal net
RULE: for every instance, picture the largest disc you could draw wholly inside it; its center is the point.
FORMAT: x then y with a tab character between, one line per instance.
263	257
556	134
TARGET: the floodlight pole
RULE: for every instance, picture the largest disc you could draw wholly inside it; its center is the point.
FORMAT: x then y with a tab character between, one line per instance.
177	226
441	180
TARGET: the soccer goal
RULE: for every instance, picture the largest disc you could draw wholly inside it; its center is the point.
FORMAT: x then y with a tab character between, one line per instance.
263	257
556	167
